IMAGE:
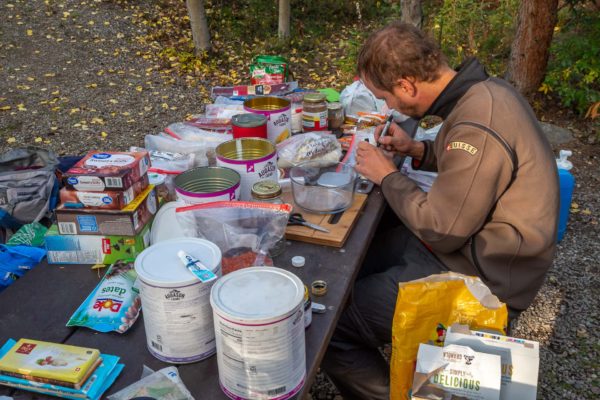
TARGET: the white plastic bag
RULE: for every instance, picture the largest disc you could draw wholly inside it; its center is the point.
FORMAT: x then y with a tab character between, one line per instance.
184	131
424	179
320	148
356	97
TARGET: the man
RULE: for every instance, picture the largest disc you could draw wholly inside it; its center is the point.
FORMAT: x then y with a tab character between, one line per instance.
492	211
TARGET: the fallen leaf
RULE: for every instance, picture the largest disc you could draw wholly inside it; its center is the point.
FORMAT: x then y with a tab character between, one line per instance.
11	140
4	108
114	101
21	107
103	134
139	88
38	139
50	75
29	32
586	212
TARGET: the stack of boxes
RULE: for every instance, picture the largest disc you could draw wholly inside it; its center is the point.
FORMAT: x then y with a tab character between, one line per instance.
106	209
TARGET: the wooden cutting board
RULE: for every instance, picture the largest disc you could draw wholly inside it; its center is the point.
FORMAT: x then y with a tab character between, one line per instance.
338	232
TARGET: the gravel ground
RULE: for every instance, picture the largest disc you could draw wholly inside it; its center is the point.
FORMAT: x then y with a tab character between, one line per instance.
71	80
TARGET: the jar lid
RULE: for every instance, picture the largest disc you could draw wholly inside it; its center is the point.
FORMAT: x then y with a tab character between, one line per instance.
314	97
336	105
266	190
248	120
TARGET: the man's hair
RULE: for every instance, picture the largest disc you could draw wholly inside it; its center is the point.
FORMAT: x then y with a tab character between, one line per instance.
398	51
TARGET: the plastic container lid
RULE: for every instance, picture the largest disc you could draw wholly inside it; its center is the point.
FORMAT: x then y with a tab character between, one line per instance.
159	265
257	294
314	97
298	261
166	226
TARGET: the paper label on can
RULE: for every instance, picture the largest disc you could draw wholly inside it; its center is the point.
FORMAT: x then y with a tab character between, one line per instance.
179	321
252	172
264	361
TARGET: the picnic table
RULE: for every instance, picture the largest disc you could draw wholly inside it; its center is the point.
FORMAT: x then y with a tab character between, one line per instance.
39	305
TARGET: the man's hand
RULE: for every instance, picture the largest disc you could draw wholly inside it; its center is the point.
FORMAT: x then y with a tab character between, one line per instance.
397	140
373	163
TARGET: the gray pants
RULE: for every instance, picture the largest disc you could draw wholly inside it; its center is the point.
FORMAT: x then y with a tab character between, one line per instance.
352	359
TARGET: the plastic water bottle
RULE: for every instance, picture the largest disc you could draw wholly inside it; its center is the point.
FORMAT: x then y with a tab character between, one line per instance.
567	183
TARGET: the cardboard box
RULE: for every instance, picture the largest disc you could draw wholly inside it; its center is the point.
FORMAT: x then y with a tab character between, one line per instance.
110	170
520	359
107	200
88	249
453	370
126	222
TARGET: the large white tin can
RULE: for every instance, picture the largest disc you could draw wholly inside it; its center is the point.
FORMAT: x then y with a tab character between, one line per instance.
254	159
259	332
278	111
176	305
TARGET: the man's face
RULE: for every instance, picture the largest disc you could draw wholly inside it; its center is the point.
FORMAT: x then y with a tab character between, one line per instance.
401	100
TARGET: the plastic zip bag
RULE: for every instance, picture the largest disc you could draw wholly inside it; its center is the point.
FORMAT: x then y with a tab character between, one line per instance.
322	149
164	384
244	231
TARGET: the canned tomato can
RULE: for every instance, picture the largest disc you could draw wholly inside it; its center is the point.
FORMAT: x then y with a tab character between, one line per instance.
178	318
208	184
249	125
278	111
259	333
254	159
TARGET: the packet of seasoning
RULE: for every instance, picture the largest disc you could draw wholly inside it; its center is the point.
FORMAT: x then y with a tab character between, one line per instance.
244	231
114	305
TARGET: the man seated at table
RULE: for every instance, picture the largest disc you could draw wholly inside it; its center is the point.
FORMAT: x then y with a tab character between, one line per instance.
492	211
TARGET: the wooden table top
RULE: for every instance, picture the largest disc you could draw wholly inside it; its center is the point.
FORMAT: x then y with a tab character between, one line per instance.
39	305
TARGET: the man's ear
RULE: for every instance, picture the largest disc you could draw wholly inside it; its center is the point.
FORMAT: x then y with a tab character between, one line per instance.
405	87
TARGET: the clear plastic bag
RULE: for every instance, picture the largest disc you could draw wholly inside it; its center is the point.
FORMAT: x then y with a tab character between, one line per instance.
243	231
168	161
320	148
189	132
164	384
162	142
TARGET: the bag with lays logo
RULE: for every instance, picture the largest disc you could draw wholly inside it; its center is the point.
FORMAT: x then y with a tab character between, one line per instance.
28	186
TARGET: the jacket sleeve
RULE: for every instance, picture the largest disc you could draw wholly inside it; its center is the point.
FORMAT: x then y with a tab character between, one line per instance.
474	169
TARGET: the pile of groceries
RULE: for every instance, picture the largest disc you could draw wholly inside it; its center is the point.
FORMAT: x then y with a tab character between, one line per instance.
191	227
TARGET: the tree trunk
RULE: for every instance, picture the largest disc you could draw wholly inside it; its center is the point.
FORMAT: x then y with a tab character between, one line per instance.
199	24
285	12
530	49
412	12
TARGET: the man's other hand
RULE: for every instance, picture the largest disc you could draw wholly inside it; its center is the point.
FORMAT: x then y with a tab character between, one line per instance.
373	163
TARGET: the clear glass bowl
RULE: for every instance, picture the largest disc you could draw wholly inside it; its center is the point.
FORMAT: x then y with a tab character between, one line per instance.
323	190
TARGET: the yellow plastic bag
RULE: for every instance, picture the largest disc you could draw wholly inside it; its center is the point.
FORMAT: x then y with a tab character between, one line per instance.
425	308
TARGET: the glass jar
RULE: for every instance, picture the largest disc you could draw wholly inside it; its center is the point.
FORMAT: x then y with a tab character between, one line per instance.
269	191
314	112
335	114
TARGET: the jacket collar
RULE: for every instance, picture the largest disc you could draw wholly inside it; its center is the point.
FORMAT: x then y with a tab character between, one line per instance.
468	74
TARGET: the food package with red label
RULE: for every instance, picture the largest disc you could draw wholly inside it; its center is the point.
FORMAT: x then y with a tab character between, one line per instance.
99	171
127	222
106	200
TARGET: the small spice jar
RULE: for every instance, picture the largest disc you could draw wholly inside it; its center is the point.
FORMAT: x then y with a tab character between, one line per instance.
335	114
314	112
269	191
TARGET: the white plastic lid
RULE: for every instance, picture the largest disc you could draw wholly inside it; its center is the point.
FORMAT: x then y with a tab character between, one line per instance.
159	265
257	293
298	261
166	225
562	161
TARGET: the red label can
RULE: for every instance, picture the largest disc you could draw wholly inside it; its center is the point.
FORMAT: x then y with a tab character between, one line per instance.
249	125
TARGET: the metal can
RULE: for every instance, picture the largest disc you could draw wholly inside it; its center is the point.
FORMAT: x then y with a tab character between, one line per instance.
278	111
254	159
314	112
207	184
249	125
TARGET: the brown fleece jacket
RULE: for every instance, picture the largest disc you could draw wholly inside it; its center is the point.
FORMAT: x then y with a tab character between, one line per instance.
493	209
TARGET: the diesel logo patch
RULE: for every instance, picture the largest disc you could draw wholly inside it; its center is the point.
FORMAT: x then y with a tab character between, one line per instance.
462	146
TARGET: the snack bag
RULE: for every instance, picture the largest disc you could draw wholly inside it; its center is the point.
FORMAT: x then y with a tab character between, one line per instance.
114	305
269	70
425	308
244	231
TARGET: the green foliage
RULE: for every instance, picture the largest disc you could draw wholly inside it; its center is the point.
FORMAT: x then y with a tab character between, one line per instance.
481	28
574	66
